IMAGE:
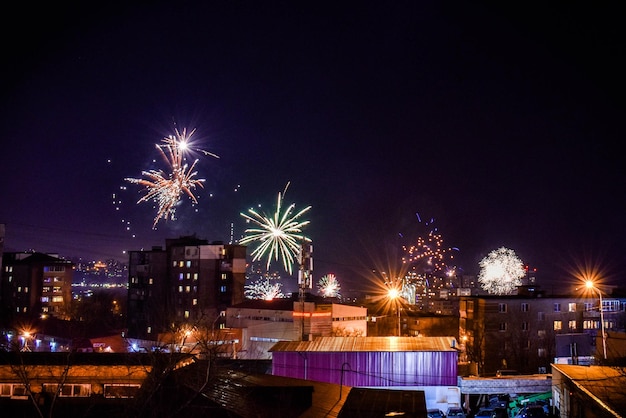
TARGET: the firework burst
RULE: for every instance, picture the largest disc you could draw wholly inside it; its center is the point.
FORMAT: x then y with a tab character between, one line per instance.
501	271
166	189
264	289
329	287
278	236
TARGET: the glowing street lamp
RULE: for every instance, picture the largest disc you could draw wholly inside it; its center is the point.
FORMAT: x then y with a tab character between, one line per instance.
589	284
394	294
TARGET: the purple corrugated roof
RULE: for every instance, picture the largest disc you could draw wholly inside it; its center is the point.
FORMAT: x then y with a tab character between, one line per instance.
348	344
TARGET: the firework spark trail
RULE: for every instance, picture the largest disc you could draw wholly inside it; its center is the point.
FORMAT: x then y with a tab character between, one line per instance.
278	236
166	189
501	271
329	287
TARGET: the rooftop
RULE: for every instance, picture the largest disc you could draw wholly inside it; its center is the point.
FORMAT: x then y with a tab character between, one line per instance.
388	344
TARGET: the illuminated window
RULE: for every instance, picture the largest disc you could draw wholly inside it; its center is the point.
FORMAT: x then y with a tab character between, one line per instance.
181	276
223	289
187	289
186	314
149	330
571	307
45	299
181	263
558	325
188	263
150	281
224	276
195	276
188	276
571	324
57	299
194	302
180	289
174	263
590	324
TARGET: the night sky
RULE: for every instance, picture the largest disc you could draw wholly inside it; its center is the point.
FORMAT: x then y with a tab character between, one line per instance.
501	124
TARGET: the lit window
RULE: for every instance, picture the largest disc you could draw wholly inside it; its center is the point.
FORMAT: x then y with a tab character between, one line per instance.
186	314
188	263
57	299
181	276
558	325
224	276
150	281
181	263
188	276
174	263
223	289
187	289
195	276
45	299
571	324
571	307
180	289
194	302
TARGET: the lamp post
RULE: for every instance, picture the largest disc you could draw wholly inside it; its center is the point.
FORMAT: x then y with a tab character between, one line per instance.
590	285
393	295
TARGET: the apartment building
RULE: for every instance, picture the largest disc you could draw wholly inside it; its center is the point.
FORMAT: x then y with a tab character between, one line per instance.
35	284
191	282
518	331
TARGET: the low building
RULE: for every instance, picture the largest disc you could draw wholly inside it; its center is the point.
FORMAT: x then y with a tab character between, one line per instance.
266	322
419	363
589	391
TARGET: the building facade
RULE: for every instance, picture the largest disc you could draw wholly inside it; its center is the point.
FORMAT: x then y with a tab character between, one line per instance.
518	331
35	284
266	322
190	282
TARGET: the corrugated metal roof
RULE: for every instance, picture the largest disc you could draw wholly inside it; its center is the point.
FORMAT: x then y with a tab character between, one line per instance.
346	344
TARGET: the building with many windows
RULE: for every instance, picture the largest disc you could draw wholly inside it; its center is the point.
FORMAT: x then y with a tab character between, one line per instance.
35	284
518	331
188	282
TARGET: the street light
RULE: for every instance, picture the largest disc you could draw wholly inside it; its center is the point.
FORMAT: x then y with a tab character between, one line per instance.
393	295
590	285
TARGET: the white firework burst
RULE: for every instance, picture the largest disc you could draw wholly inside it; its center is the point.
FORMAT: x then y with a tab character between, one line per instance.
264	289
501	271
278	236
329	287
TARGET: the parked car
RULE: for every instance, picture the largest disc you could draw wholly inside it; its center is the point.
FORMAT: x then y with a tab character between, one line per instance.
485	413
435	413
532	411
455	413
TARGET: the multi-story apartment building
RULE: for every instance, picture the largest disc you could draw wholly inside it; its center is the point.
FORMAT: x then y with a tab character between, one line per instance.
518	331
190	282
35	284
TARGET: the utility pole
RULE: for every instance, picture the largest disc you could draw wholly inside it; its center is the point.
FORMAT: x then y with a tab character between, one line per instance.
305	279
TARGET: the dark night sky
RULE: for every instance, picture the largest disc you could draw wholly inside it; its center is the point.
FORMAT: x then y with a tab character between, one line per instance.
503	124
